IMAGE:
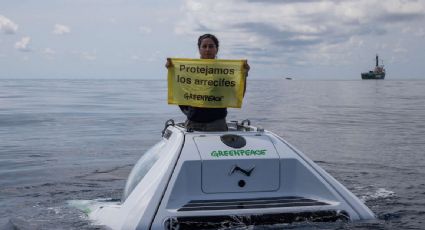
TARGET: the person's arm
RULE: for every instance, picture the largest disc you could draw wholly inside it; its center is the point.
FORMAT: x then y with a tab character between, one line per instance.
246	67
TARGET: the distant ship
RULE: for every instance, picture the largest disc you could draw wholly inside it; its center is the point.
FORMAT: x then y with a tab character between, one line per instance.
378	73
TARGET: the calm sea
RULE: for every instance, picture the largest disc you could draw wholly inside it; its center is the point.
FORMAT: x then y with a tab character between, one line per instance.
64	140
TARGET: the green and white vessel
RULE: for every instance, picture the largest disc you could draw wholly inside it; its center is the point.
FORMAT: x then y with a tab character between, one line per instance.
245	176
377	74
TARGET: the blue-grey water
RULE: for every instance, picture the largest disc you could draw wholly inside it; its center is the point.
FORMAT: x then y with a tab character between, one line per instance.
64	140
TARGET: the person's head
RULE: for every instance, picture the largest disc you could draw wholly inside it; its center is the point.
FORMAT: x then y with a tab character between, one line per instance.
208	46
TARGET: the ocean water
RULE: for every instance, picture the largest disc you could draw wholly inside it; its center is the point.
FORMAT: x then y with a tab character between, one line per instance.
63	140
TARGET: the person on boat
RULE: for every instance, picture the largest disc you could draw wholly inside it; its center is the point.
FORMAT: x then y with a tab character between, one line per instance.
206	119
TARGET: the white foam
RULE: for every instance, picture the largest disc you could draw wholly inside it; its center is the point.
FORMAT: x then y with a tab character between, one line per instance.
56	210
381	193
87	206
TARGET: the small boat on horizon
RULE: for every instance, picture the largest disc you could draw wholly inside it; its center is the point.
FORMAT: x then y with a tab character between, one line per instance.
377	74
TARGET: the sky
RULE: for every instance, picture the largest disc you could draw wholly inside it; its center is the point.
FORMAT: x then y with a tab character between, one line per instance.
131	39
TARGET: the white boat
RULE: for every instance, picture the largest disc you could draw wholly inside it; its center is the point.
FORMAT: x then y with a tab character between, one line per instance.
245	176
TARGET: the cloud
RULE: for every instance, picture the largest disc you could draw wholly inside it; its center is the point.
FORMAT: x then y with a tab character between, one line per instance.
135	57
145	30
7	26
90	56
61	29
418	32
23	44
270	28
279	1
113	20
49	52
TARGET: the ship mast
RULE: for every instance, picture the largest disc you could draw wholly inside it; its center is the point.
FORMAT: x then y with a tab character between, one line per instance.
377	62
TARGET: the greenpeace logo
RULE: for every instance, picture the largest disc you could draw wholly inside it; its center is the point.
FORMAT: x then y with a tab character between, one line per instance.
238	153
189	96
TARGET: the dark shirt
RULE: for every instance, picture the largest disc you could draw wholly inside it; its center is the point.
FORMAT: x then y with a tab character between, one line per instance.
203	114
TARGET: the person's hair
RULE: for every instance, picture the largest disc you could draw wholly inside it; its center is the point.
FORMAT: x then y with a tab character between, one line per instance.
212	37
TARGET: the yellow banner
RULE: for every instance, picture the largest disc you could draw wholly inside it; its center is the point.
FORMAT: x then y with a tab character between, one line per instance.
207	83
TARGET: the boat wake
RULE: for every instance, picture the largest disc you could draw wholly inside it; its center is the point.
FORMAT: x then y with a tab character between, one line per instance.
87	206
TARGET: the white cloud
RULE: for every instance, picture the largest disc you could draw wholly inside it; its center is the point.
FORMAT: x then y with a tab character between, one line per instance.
145	30
135	57
7	26
420	32
61	29
313	29
113	20
399	50
23	44
90	56
409	30
25	58
49	52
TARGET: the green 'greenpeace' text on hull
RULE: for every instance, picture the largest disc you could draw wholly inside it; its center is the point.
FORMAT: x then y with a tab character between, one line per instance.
377	74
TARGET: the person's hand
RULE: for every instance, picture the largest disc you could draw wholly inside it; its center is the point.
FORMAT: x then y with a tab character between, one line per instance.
246	67
169	63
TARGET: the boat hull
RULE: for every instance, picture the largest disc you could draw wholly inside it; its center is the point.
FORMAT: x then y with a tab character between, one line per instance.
199	180
373	76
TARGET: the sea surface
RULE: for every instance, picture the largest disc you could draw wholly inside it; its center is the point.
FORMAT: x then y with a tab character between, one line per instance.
64	140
